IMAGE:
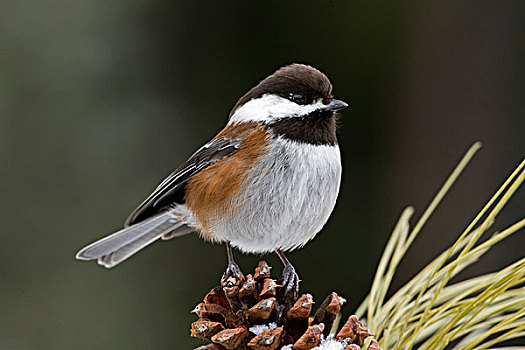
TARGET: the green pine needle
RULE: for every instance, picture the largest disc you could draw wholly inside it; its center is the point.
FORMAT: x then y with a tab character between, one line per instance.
428	312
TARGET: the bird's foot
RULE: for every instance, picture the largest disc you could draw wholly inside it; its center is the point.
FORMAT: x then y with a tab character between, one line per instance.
233	270
291	279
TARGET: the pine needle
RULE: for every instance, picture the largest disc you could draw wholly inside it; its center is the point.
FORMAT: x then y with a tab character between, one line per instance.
430	313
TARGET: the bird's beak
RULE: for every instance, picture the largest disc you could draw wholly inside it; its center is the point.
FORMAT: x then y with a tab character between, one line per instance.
336	105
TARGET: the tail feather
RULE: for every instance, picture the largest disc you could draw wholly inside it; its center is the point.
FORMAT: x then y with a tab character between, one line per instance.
119	246
122	253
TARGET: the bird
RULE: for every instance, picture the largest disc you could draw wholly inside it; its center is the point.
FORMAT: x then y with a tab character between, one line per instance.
266	183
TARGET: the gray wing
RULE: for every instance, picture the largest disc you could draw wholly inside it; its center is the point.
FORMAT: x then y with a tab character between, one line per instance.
172	189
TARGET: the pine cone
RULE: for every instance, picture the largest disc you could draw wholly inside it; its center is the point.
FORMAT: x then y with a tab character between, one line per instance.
254	314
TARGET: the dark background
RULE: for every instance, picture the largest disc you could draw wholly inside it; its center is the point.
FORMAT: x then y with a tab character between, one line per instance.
99	100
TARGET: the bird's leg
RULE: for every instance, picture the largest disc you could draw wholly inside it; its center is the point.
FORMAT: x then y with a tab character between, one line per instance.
290	277
233	270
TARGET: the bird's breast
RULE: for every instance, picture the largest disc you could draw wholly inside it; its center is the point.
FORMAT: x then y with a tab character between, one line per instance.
284	199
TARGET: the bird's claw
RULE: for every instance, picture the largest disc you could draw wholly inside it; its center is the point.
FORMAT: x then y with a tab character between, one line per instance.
290	279
233	270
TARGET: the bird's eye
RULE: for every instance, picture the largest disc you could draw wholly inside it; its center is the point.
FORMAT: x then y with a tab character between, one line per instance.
298	98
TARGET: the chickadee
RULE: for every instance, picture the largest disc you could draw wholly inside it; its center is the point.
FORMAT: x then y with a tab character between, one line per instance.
266	183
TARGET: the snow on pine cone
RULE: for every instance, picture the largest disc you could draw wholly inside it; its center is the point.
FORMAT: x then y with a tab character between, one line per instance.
253	313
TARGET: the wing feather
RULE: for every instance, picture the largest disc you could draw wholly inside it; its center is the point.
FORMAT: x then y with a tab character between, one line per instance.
171	190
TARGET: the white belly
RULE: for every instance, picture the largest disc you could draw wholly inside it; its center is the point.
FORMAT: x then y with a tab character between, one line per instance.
289	198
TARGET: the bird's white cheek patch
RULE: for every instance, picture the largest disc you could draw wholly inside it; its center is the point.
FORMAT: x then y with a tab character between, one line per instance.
270	107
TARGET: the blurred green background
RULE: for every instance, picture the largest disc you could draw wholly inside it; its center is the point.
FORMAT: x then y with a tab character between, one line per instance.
99	100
